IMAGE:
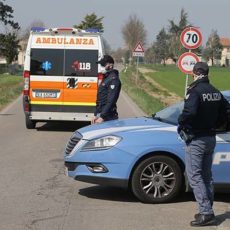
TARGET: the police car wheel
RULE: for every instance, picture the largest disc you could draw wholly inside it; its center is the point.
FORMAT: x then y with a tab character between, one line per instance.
30	124
157	179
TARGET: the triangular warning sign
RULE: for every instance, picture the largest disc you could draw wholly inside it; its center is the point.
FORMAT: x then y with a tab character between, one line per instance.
138	48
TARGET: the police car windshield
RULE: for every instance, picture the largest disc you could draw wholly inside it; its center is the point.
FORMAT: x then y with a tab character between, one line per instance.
228	98
170	114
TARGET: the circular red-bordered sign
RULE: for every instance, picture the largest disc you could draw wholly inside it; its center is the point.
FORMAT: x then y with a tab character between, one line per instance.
187	61
191	38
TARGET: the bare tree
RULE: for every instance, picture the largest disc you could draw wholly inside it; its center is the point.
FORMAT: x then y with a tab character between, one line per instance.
213	47
107	46
133	32
26	33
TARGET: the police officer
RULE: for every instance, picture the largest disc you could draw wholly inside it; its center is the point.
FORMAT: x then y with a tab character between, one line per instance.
108	92
204	107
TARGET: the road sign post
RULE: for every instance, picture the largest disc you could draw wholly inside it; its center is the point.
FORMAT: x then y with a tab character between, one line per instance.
186	63
190	38
138	52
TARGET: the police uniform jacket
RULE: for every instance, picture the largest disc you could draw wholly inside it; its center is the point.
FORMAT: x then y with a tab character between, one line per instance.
204	107
107	96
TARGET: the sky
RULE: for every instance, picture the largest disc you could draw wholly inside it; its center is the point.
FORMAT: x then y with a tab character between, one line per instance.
208	15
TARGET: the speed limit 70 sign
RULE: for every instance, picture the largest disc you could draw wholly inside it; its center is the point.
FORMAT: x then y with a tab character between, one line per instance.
191	38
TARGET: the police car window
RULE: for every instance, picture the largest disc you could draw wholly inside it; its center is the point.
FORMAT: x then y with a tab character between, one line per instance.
81	63
224	128
47	62
170	114
228	98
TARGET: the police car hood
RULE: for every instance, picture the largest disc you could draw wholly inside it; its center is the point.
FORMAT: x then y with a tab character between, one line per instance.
117	127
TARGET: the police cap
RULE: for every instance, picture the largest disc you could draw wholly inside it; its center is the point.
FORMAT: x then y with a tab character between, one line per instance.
106	59
201	68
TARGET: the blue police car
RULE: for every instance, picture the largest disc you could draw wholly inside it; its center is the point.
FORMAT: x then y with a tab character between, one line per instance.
144	154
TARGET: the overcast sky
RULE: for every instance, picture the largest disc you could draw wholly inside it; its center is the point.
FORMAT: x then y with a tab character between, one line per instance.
208	15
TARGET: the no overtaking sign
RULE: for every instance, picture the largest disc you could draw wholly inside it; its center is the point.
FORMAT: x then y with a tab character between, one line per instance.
187	61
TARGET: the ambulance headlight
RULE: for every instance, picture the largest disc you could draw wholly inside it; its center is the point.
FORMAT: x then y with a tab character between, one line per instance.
102	143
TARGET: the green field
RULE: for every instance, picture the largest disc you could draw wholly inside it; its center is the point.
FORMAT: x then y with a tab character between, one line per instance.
174	80
170	78
10	88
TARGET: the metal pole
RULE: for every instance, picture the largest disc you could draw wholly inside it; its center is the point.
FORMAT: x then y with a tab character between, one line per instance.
137	69
186	85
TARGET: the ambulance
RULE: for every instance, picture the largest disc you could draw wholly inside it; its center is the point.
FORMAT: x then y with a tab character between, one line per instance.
61	76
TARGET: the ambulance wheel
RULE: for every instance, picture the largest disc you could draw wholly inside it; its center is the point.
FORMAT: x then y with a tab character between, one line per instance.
30	124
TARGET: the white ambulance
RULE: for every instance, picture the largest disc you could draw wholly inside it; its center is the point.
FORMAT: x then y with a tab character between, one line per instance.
61	75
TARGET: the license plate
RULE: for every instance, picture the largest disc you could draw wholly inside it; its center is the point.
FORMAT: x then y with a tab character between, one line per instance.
46	94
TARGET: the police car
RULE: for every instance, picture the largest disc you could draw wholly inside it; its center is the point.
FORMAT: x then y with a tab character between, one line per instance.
144	154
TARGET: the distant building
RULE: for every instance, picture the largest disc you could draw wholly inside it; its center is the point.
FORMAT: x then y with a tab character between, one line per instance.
22	52
169	61
2	60
225	57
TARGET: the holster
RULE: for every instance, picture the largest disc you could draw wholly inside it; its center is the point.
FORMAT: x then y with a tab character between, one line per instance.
187	138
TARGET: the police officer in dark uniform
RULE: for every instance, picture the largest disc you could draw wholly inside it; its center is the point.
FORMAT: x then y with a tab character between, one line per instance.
204	109
108	92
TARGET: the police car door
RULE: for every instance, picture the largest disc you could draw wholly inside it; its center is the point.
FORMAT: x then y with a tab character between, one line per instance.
80	76
221	159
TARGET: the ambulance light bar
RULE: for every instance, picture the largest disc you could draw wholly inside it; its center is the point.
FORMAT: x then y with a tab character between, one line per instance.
65	29
37	29
92	30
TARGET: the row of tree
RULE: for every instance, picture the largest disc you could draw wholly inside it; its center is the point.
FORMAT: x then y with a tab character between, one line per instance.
166	45
9	42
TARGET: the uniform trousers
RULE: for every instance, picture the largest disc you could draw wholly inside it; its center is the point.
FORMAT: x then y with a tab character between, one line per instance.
198	160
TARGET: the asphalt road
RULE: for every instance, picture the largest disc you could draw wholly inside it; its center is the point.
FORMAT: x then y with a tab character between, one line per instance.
36	195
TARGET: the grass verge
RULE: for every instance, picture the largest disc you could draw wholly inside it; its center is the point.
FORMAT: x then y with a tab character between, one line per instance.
140	92
151	97
10	88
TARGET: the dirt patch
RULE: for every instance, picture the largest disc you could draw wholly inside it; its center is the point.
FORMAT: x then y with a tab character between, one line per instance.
164	96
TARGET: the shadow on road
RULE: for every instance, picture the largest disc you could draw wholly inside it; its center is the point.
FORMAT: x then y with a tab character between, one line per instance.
7	114
222	218
108	193
119	194
122	195
61	126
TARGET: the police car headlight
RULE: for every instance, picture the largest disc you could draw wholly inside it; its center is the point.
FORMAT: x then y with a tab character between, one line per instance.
102	143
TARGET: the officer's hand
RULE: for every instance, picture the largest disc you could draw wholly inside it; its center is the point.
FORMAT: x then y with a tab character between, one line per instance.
93	120
99	120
